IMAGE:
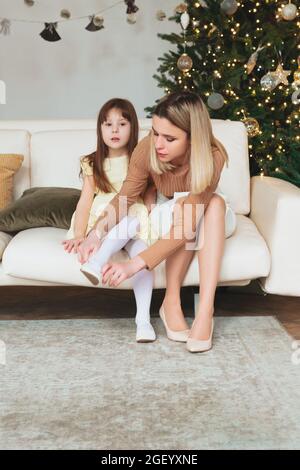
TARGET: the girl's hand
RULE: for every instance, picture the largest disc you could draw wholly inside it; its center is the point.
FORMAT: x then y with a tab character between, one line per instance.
72	244
115	273
88	247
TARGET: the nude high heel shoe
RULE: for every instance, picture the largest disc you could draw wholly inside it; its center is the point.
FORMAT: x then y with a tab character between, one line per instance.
199	345
181	335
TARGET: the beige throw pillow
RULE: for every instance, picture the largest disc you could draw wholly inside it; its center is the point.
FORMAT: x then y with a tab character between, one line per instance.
9	165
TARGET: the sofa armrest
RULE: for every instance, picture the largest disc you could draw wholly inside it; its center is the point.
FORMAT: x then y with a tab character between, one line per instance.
275	210
4	241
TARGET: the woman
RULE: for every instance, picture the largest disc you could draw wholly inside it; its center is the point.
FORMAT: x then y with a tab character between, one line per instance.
180	154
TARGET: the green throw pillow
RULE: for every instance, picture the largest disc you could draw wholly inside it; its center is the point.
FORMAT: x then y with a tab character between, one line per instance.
40	207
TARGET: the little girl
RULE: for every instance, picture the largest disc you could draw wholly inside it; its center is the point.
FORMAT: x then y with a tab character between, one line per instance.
103	174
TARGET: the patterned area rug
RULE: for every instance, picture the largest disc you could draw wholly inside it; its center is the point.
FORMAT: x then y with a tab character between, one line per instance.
86	384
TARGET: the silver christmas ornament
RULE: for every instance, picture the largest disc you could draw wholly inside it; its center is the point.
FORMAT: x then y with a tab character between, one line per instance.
185	20
295	97
215	101
229	7
268	82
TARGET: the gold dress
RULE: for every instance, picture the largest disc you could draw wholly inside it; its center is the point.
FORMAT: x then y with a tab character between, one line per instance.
116	170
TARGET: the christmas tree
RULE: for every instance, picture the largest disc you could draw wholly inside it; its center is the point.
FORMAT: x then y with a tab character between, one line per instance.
243	59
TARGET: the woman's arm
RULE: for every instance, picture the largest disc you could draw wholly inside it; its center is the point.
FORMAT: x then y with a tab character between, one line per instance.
185	220
182	231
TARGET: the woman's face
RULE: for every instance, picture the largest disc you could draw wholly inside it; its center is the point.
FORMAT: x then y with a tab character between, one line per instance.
115	130
171	142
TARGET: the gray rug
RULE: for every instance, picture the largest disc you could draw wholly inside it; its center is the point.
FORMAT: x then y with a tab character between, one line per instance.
86	384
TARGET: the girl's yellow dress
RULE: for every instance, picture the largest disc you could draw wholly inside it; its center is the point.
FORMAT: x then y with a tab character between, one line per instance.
116	170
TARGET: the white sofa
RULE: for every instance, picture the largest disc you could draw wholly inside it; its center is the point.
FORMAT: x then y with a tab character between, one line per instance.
264	245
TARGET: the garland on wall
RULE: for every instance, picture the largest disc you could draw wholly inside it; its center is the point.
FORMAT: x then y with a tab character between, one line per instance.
96	20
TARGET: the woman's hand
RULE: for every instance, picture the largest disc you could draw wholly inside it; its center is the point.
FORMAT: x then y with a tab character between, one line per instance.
115	273
88	247
72	244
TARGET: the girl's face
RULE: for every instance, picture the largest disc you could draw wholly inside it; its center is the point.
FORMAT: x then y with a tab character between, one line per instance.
171	142
116	130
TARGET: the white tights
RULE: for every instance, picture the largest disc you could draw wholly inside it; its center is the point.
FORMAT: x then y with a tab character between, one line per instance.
122	236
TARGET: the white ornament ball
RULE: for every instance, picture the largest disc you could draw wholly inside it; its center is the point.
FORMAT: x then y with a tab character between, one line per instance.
289	12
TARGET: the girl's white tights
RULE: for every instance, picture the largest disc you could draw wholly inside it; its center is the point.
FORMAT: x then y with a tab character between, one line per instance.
118	237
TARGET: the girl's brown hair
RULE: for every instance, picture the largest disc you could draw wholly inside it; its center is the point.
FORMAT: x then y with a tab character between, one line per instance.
96	159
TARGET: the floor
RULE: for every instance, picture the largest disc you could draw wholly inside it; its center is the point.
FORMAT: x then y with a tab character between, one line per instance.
77	302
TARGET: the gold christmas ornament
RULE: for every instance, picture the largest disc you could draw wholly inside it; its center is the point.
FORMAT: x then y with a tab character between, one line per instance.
98	20
296	75
281	75
253	59
184	63
65	14
181	8
160	15
252	126
131	18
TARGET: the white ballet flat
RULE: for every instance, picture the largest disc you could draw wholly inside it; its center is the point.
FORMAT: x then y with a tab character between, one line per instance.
145	333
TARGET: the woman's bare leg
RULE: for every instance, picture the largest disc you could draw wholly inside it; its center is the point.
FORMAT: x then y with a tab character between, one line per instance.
176	267
209	260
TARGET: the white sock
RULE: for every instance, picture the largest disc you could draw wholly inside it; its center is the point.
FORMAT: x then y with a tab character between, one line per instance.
142	284
116	238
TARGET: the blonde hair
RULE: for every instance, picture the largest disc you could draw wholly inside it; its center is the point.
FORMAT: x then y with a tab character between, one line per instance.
187	111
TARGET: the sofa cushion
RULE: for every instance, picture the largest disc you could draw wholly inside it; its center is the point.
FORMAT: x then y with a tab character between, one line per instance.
17	142
40	207
38	254
9	165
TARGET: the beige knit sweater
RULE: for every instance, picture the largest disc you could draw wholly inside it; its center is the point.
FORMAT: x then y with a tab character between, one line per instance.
175	180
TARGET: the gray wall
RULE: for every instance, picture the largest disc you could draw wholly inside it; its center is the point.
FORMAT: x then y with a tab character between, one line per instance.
73	77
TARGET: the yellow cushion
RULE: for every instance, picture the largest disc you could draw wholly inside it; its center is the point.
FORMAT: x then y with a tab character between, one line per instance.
9	165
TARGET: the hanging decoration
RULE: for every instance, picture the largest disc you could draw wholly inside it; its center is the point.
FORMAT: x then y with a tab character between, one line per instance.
184	62
181	8
289	11
252	126
49	33
5	26
296	84
65	14
95	24
229	7
160	15
253	59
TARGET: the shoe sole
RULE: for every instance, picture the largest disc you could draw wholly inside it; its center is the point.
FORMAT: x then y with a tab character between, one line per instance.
93	279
